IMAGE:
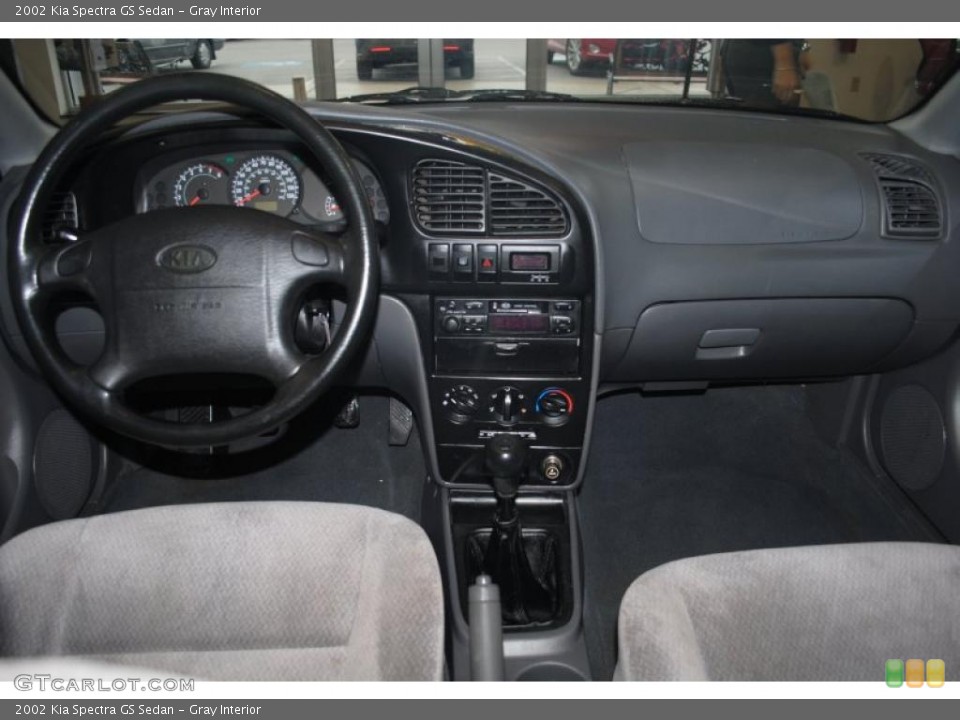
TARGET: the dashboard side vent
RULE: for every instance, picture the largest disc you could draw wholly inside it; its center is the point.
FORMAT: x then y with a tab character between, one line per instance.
896	166
61	219
911	205
912	209
517	208
449	196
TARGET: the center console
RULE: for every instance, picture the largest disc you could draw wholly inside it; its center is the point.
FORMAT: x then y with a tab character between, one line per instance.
509	352
496	268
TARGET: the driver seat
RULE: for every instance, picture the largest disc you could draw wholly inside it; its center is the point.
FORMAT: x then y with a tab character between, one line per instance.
230	591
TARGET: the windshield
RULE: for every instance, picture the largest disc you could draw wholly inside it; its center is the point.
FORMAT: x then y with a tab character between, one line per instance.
867	79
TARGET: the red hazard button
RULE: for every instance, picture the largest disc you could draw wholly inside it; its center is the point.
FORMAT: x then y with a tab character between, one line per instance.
487	263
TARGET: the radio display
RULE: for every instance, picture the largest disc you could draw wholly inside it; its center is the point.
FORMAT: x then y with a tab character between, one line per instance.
530	262
504	323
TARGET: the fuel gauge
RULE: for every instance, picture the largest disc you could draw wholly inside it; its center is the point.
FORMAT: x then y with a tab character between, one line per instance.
332	208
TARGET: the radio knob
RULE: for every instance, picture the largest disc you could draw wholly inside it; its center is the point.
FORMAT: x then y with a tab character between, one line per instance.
451	323
507	405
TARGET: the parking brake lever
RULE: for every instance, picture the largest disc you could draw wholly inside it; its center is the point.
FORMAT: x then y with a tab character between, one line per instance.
486	630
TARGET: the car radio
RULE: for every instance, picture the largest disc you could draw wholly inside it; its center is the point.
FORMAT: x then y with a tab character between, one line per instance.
476	335
507	318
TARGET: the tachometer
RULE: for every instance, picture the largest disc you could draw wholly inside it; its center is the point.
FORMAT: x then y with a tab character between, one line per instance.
202	183
266	182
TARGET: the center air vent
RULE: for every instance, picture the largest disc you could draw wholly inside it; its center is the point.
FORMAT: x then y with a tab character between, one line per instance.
449	196
61	220
453	197
517	208
911	206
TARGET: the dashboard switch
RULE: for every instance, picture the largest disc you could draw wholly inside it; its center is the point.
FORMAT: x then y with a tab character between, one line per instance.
463	262
438	261
487	265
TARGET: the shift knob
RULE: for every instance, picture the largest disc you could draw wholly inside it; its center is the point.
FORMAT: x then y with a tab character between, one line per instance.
506	460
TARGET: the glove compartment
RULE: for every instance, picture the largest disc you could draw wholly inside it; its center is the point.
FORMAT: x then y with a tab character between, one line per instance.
762	339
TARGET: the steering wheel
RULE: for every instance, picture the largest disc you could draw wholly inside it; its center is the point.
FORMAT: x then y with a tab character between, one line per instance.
193	290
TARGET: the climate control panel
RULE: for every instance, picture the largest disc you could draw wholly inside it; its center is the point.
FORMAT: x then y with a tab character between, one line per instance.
468	412
508	405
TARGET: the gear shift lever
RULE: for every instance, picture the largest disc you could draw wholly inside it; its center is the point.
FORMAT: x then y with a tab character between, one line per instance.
506	459
525	596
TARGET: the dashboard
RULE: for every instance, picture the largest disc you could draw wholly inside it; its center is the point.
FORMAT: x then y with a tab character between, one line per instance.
530	262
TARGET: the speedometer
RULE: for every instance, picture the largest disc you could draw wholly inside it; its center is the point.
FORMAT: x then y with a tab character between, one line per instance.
266	182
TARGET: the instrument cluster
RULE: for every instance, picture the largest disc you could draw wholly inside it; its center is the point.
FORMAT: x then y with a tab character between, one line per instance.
276	181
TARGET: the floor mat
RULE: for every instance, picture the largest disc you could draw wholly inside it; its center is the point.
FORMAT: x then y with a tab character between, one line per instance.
740	468
331	465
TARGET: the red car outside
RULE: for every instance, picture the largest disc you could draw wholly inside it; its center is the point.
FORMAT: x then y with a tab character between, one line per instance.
581	55
655	55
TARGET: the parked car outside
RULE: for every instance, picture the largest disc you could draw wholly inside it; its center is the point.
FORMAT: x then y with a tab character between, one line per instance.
374	54
200	52
583	57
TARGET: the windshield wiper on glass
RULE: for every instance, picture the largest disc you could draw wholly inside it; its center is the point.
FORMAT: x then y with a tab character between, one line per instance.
738	104
508	94
433	94
407	95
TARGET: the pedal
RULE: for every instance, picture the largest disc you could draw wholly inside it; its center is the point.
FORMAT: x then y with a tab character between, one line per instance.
349	415
401	423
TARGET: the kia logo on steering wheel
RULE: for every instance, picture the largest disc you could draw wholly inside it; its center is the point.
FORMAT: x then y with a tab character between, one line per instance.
187	258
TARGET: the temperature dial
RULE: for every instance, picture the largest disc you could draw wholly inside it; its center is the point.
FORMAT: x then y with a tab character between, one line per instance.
554	405
461	403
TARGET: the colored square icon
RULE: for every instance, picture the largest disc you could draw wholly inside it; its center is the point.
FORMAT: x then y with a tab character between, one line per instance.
936	673
893	670
914	673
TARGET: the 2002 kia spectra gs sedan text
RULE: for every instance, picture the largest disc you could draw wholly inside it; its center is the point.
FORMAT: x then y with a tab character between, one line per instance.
643	375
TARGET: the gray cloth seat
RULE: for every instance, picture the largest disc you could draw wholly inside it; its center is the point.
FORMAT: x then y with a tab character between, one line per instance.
834	612
230	591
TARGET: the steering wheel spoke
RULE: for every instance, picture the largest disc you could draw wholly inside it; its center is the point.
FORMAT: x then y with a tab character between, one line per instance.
316	258
67	269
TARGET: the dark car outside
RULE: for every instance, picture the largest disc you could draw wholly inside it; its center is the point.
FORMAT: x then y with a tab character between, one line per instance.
374	54
200	52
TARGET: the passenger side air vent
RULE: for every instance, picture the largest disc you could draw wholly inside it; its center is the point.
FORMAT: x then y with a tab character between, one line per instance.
911	206
912	209
61	220
449	196
516	208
